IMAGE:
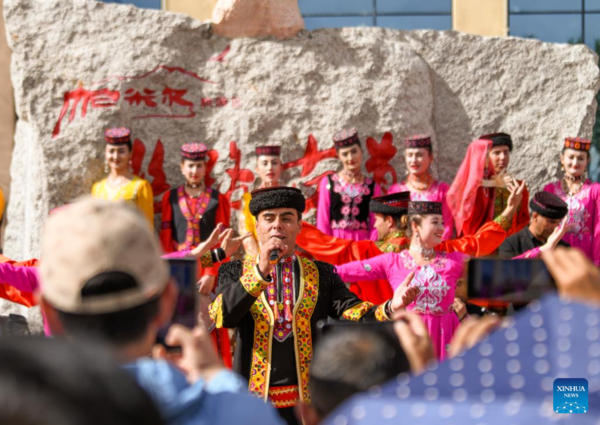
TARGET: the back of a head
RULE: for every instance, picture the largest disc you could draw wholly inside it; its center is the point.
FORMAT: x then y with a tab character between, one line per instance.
101	270
49	381
350	361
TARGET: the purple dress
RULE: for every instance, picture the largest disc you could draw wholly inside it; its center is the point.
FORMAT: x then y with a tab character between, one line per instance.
343	209
436	192
584	212
436	281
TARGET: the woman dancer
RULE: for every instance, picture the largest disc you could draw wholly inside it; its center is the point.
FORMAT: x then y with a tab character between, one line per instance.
582	196
343	209
418	156
121	183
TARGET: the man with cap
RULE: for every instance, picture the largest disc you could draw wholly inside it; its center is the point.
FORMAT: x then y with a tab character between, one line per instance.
390	223
276	300
189	215
479	192
269	168
102	278
547	213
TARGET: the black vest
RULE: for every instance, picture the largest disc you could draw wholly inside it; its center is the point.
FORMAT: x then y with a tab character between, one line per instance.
207	222
336	204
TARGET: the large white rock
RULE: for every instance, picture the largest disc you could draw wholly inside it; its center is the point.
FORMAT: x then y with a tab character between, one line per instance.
80	66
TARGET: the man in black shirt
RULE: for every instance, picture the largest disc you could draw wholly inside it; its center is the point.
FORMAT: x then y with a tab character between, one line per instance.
547	212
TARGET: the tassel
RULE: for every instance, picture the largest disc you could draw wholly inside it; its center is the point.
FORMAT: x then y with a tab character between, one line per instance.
288	313
276	312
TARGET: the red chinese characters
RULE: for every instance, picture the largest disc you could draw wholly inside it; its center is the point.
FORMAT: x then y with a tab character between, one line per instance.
103	98
240	177
155	169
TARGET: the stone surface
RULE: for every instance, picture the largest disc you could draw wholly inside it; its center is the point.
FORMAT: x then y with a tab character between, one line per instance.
81	66
257	18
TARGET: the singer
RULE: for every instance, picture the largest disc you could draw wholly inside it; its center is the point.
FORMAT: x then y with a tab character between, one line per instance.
276	307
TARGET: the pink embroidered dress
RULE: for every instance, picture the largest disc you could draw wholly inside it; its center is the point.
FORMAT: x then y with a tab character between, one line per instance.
436	192
343	208
584	213
436	281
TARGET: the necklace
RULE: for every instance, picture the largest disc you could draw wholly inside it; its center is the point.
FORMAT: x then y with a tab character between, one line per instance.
417	186
427	253
576	189
352	177
574	179
194	186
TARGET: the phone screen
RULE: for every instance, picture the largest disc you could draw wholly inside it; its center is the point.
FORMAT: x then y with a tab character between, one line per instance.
184	271
511	281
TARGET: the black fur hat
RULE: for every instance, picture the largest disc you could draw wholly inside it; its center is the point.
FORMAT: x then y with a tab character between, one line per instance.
277	197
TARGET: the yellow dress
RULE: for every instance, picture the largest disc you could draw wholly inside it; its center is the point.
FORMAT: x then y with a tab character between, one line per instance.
137	191
249	219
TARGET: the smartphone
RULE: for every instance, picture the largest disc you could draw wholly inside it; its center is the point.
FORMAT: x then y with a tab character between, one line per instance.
184	271
385	330
517	282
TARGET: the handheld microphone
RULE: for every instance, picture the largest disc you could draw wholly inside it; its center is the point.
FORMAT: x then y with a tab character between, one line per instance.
274	256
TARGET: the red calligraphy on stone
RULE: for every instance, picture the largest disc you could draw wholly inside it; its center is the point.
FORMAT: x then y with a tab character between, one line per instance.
313	200
381	155
103	98
213	157
174	96
312	156
134	97
155	169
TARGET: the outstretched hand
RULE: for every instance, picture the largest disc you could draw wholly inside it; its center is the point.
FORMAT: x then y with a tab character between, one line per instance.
230	244
198	358
414	339
557	236
405	294
210	242
514	200
576	277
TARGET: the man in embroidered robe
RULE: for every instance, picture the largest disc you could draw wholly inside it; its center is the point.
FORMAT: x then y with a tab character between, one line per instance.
479	192
275	305
388	212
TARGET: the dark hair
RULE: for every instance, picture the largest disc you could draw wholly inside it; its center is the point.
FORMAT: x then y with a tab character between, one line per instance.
118	328
46	381
351	361
399	222
407	221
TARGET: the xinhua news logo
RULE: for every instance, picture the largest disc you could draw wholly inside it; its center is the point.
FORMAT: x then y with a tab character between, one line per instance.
570	395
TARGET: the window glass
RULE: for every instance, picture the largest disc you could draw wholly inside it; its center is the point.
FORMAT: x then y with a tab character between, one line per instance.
338	22
414	6
415	22
517	6
335	7
559	28
592	31
592	5
148	4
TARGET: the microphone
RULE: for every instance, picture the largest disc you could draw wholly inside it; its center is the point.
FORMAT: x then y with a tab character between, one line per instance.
274	256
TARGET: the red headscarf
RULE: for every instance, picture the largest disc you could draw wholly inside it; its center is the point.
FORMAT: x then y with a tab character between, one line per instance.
462	193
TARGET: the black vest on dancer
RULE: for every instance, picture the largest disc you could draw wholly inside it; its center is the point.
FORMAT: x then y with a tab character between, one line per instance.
207	222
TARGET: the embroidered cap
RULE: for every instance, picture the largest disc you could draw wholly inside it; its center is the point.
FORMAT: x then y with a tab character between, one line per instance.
395	204
277	197
92	241
345	138
418	141
578	144
118	136
195	151
268	150
499	139
424	207
549	205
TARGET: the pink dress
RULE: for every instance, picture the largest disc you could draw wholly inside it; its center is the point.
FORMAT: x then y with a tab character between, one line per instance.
343	208
435	193
436	281
584	212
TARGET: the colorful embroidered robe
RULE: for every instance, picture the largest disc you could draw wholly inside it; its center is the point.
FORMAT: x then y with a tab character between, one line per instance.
242	303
